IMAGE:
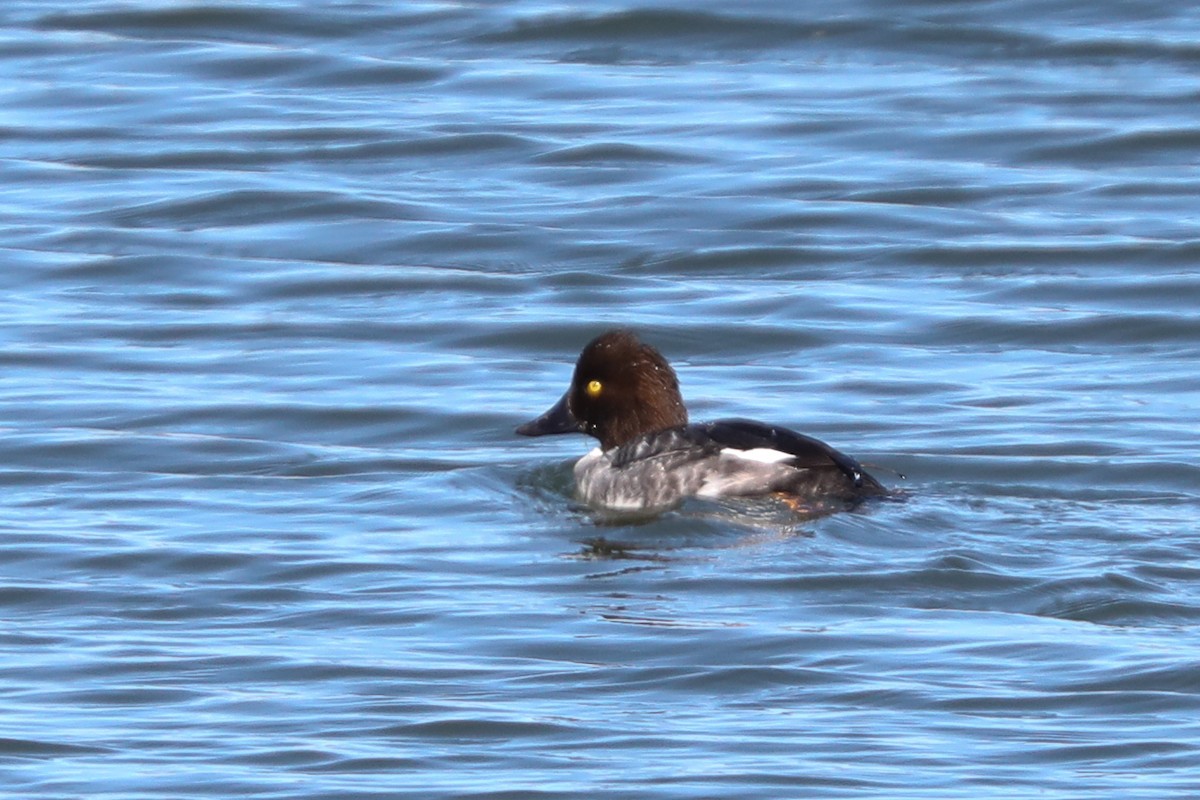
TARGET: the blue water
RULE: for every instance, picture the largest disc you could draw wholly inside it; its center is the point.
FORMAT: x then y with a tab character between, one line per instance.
280	279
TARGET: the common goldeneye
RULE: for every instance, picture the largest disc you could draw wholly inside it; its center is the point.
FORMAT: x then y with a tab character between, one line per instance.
625	394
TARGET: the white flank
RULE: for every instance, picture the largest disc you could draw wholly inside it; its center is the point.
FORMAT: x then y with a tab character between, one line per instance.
763	455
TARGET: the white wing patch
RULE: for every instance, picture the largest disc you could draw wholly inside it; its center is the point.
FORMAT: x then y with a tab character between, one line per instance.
763	455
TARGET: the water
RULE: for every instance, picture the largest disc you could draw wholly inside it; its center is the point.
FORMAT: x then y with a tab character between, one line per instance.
280	279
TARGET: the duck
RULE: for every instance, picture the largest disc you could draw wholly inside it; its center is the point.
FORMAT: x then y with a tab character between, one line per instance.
650	458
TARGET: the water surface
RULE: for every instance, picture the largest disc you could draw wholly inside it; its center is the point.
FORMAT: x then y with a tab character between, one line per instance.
279	282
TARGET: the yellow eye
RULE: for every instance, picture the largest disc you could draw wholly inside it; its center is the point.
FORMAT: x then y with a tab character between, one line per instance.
594	388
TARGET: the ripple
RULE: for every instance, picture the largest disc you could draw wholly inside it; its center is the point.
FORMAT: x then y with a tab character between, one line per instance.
1155	146
217	21
612	153
29	748
633	25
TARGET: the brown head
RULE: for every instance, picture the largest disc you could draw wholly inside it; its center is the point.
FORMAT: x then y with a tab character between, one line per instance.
621	389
